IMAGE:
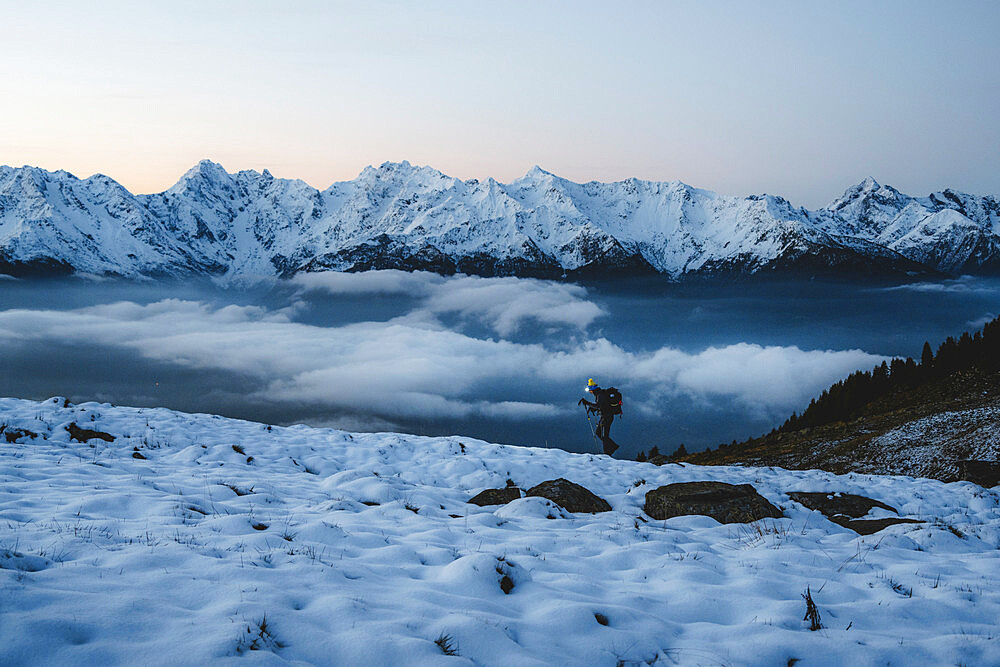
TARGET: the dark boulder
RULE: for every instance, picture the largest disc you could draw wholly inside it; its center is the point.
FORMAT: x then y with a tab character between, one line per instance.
661	460
85	434
869	526
15	434
832	504
496	496
983	473
844	509
726	503
571	497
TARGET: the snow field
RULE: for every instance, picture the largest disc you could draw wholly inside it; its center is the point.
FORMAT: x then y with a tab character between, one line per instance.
234	540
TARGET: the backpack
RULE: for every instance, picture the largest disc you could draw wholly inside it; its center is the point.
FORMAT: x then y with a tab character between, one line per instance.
615	400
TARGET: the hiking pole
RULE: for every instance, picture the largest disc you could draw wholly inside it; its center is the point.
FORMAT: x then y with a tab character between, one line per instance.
593	432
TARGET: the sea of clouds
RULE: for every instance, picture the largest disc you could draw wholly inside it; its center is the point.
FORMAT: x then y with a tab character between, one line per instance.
451	355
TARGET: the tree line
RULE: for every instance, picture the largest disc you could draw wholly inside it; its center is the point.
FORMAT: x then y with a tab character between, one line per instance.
846	399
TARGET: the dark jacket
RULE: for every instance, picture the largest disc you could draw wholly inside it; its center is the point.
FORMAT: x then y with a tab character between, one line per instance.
601	403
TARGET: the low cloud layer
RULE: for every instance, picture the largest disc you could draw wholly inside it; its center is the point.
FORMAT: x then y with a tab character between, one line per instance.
414	369
960	285
391	281
503	304
979	323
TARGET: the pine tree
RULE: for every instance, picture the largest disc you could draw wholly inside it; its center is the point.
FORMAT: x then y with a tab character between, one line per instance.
846	399
946	359
926	358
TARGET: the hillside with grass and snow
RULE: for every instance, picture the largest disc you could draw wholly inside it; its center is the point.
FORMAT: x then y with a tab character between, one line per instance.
934	418
147	536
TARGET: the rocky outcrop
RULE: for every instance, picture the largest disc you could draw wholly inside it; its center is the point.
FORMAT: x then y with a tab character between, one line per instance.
85	434
16	434
834	504
571	497
845	509
870	526
496	496
726	503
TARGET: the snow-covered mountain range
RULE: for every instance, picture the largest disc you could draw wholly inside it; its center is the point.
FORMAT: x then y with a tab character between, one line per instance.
407	217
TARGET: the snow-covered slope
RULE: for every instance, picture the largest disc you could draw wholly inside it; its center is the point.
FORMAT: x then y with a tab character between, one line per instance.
932	445
407	217
191	539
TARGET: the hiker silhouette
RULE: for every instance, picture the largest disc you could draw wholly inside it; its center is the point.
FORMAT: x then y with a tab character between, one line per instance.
607	403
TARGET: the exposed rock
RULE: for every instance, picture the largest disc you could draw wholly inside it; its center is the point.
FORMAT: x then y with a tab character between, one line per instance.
661	460
15	434
510	574
496	496
845	508
983	473
832	504
571	497
85	434
869	526
726	503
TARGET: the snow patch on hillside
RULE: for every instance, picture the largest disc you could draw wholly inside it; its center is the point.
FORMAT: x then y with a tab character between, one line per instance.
933	445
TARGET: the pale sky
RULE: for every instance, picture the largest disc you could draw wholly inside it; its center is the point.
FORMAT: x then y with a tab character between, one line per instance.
796	98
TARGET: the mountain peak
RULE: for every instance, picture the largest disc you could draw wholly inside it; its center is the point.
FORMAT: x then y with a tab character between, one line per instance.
389	165
537	172
399	172
862	190
866	186
206	169
869	184
209	165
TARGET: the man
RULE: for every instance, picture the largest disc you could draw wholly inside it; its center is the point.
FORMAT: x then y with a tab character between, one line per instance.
608	402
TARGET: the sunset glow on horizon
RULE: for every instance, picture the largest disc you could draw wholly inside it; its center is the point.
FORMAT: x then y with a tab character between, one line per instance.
797	99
